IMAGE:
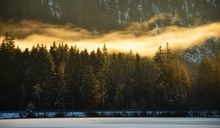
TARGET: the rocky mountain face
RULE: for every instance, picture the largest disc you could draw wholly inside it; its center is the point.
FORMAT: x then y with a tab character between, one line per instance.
195	54
111	14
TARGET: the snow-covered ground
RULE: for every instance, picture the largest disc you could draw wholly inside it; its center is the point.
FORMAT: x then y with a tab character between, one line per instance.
112	123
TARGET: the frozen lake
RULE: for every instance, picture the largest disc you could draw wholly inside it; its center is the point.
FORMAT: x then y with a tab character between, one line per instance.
111	123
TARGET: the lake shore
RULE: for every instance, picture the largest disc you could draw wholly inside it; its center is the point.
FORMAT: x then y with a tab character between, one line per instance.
108	113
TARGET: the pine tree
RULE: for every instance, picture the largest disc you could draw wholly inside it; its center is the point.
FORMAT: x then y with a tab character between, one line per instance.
208	83
138	82
73	74
9	76
217	80
40	74
102	77
119	97
90	84
23	93
172	80
148	79
30	110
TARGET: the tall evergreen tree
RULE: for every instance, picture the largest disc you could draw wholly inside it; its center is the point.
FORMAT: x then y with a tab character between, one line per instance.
172	81
73	78
9	72
208	83
89	87
102	76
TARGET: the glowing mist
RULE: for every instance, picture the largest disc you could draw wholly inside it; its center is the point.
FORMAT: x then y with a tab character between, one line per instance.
136	37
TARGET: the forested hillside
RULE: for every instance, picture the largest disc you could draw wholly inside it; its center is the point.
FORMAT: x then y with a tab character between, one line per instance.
64	78
107	15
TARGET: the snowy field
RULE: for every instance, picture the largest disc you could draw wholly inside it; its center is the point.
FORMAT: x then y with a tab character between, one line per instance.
112	123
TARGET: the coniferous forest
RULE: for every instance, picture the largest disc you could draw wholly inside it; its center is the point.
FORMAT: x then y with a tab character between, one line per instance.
64	78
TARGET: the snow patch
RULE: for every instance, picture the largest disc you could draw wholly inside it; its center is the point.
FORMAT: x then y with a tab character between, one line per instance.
195	54
9	115
211	2
155	9
54	9
95	31
126	15
140	10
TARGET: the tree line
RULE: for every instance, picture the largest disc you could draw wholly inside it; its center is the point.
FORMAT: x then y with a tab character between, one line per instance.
65	78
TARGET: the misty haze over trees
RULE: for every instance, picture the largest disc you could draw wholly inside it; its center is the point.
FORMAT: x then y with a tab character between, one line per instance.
65	78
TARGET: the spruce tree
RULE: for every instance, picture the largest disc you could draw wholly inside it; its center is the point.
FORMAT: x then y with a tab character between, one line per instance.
172	80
